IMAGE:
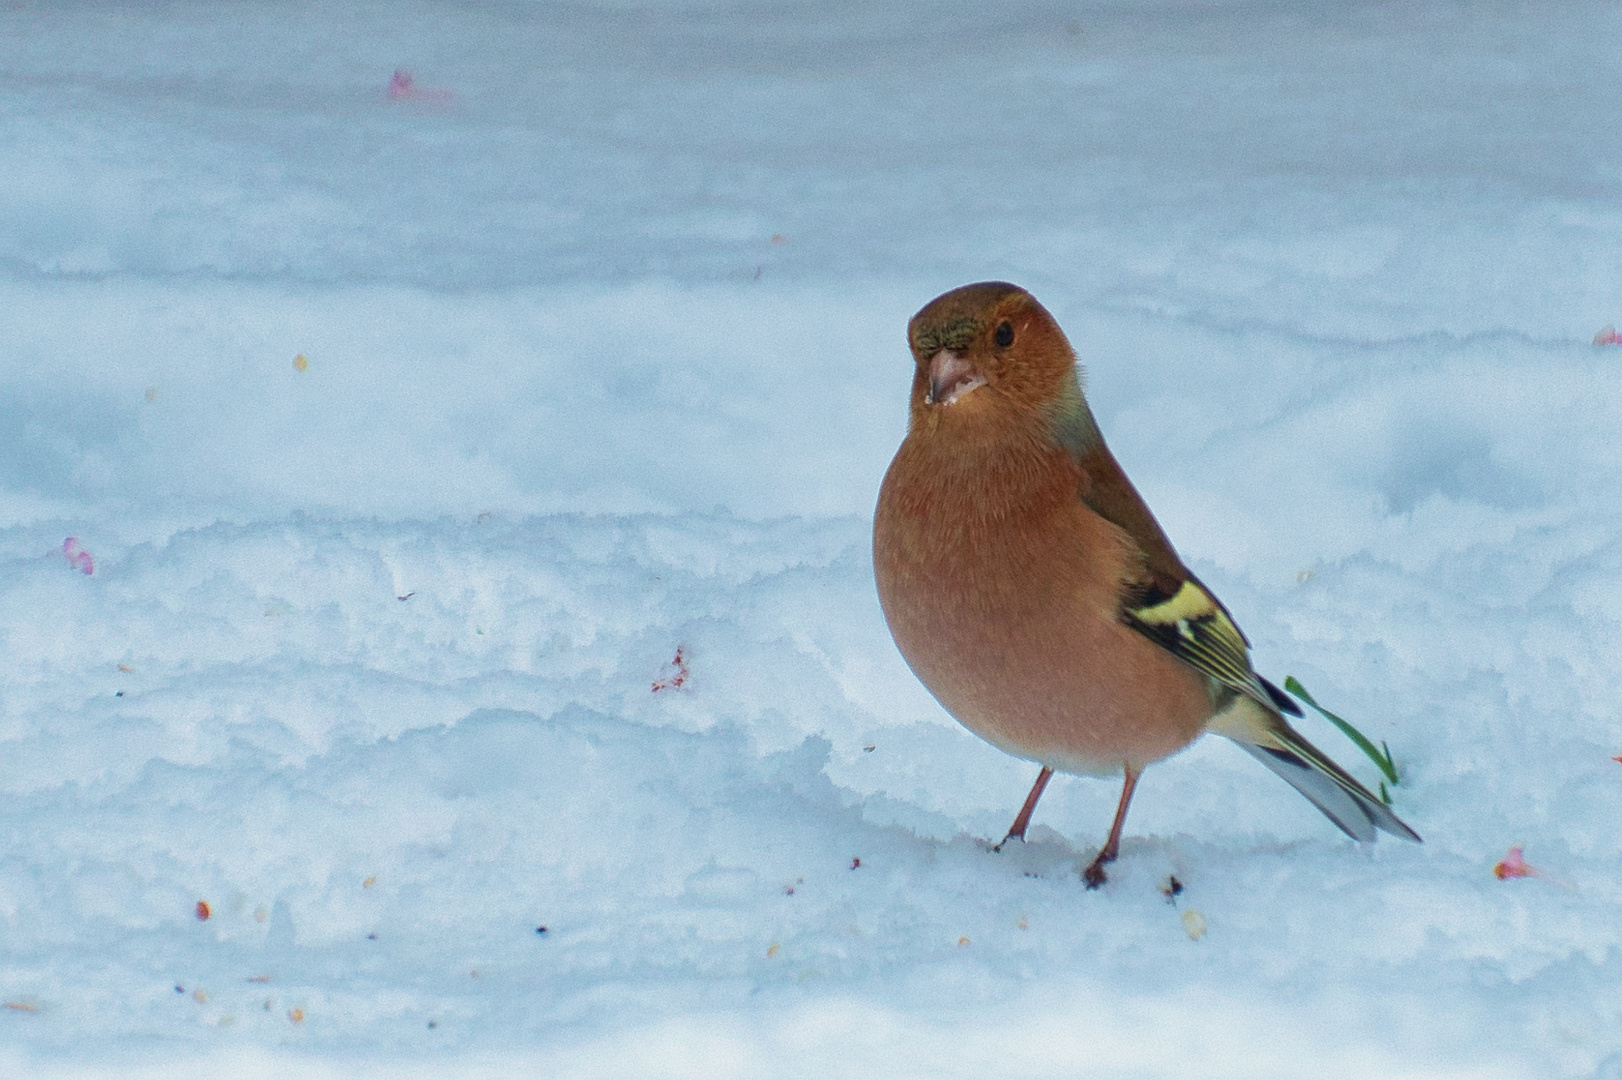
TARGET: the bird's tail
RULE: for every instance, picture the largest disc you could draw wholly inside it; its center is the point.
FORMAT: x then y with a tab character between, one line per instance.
1269	738
1330	788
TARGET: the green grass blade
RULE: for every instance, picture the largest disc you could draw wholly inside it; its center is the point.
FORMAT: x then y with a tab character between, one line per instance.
1294	686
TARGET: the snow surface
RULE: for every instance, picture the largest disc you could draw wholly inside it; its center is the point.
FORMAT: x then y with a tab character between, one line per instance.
604	358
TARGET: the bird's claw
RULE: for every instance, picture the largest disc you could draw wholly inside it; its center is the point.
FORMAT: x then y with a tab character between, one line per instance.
1094	874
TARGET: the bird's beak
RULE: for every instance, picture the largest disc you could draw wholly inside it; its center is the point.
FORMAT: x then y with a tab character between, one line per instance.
950	377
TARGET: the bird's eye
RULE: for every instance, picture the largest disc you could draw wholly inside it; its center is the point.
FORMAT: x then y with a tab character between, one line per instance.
1005	334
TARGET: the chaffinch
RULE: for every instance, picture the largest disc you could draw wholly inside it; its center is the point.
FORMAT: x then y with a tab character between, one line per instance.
1034	594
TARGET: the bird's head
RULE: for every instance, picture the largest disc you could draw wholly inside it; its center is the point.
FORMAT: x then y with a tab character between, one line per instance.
989	355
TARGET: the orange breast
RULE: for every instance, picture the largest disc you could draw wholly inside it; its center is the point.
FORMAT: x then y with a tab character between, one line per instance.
1009	617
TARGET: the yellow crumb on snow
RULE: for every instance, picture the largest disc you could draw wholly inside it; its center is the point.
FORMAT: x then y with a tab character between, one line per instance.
300	363
1194	924
773	951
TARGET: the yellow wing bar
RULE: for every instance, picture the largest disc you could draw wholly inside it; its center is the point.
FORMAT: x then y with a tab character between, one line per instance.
1195	628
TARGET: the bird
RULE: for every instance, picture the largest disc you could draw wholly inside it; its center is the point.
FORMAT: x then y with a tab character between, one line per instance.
1033	593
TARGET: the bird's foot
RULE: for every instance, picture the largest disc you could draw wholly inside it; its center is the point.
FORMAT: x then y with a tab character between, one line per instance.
1094	874
1020	836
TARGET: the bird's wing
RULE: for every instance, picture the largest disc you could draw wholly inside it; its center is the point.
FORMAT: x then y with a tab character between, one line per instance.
1167	604
1194	627
1106	490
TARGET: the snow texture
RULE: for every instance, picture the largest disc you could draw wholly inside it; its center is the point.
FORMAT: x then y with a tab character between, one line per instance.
469	605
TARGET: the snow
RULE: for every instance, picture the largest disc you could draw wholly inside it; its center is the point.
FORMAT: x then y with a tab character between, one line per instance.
604	358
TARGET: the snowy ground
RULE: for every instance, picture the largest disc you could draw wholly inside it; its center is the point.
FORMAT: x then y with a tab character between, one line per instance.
602	325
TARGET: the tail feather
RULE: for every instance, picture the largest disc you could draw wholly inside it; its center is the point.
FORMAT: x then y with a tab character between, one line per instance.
1285	702
1326	785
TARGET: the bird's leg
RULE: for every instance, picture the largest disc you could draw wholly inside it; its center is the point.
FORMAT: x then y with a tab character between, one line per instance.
1094	875
1024	819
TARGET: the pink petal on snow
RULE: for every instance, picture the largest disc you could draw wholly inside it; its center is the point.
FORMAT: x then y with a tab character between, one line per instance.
77	556
1513	865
